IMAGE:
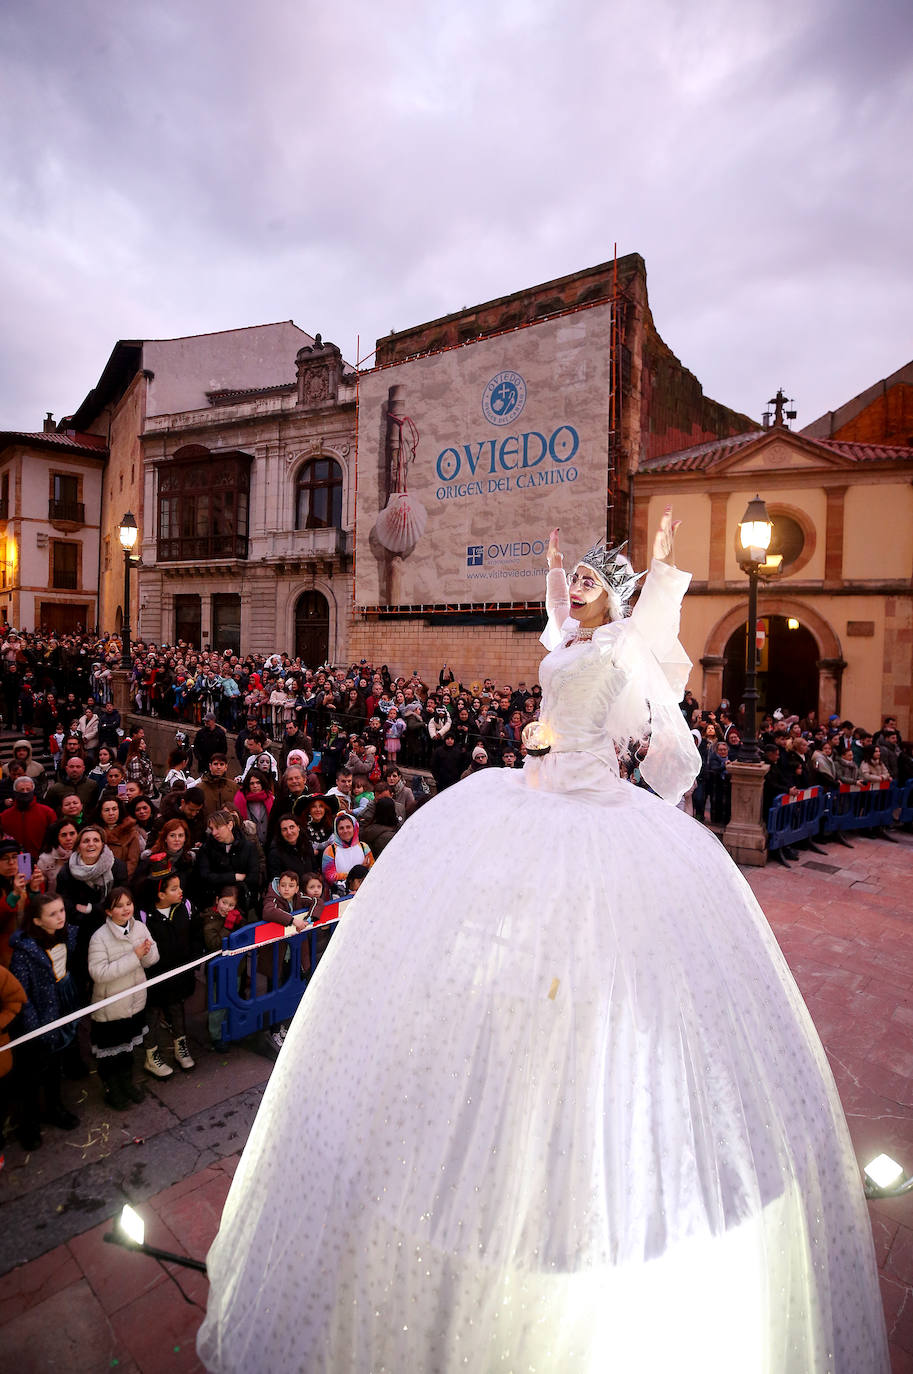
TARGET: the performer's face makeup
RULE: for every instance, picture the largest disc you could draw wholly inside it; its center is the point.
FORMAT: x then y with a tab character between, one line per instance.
589	599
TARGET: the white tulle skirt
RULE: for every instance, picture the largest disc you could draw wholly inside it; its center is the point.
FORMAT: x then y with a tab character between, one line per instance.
552	1102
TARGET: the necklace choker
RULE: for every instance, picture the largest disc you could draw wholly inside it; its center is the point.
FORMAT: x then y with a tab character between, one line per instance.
582	633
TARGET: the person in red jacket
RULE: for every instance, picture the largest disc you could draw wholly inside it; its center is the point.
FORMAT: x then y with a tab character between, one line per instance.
27	820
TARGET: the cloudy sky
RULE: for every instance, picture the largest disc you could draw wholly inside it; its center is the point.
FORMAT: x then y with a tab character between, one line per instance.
182	166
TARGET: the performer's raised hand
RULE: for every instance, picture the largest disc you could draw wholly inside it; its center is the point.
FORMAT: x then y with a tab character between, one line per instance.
555	556
665	537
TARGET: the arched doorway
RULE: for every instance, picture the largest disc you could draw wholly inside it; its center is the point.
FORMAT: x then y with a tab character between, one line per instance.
720	656
787	666
312	629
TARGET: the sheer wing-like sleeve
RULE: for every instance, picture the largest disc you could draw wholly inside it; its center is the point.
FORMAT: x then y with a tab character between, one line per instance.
656	670
557	605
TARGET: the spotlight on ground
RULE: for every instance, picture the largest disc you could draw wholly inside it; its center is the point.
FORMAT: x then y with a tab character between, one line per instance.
130	1232
884	1177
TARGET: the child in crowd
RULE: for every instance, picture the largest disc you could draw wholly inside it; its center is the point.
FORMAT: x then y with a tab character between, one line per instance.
286	904
315	888
354	879
219	920
178	933
119	953
42	956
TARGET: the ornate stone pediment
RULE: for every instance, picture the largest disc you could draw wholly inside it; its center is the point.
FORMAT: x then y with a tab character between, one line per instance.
319	369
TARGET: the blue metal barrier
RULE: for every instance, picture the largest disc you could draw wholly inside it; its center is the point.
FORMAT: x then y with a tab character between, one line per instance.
232	984
860	806
791	820
906	804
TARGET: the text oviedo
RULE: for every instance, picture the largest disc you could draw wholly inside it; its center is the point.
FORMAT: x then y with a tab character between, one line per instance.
517	454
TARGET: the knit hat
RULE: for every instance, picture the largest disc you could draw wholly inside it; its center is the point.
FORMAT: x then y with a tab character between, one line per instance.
479	754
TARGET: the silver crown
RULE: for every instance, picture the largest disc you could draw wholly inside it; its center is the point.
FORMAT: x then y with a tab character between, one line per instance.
613	569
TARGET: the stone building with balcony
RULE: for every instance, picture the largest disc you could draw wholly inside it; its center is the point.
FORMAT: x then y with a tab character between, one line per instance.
248	515
50	502
145	381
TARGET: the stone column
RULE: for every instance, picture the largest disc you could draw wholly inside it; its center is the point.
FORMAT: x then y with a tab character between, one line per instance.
120	691
830	677
745	837
712	690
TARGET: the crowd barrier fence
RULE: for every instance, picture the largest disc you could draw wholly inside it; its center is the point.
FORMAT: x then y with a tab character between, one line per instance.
849	807
235	986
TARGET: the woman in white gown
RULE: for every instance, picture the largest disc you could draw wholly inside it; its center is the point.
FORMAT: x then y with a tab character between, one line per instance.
553	1101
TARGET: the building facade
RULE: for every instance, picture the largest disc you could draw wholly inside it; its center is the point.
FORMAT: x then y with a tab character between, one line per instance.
145	379
837	620
657	406
50	499
249	508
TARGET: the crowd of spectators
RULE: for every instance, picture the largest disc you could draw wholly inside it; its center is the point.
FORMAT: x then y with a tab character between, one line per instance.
800	753
110	868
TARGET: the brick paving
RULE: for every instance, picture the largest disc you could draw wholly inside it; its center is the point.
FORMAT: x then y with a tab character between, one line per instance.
77	1304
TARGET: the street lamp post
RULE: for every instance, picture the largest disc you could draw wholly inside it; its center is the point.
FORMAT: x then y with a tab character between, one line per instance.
745	836
127	534
755	530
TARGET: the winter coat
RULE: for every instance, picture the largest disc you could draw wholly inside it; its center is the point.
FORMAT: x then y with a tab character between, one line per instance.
279	909
28	826
32	966
447	763
218	792
178	934
348	856
12	999
290	858
76	892
87	728
114	966
208	742
139	769
50	862
124	843
217	865
85	790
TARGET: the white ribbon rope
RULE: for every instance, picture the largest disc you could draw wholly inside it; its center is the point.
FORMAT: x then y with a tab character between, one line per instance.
160	978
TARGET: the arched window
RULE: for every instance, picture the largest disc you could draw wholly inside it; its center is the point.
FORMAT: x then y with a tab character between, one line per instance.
318	495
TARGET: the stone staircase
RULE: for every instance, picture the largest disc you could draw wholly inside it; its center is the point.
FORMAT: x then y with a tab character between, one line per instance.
42	755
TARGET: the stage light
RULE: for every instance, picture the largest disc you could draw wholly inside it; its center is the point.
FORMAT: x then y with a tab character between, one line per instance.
130	1232
132	1225
883	1171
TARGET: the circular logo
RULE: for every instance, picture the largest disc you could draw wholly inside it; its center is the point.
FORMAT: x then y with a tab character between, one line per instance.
503	398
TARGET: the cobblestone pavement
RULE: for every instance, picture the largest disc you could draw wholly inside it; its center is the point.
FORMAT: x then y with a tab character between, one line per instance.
71	1302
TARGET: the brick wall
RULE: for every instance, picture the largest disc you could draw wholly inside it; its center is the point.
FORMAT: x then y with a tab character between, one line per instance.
888	420
473	652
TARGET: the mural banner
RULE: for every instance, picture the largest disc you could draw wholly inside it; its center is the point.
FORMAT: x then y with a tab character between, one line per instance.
467	458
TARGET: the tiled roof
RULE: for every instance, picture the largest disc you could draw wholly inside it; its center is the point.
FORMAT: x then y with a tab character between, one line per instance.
702	455
84	443
705	456
227	395
867	453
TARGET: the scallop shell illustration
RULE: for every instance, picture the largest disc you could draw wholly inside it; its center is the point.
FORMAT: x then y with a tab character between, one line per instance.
401	523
